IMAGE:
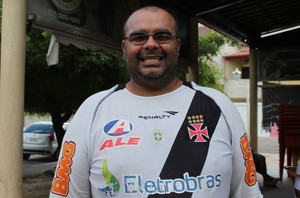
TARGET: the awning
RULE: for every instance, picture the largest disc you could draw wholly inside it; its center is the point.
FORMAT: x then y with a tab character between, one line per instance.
241	55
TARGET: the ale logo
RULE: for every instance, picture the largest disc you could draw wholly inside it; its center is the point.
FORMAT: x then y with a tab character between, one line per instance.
117	127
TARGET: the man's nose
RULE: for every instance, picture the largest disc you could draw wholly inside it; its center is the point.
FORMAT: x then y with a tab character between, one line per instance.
151	43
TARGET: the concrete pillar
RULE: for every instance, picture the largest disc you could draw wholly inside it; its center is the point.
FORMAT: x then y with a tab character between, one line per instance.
253	98
12	97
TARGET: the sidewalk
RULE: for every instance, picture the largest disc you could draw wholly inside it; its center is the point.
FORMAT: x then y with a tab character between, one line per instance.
37	180
39	169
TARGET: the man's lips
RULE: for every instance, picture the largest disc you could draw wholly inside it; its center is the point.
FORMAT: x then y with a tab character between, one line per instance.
154	56
152	59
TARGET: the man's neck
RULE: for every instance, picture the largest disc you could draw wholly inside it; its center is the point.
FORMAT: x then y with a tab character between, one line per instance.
140	90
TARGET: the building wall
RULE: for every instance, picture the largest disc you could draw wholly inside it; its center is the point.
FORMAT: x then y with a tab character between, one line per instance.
236	90
232	88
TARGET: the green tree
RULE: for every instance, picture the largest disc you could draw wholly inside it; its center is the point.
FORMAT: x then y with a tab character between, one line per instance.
58	90
209	46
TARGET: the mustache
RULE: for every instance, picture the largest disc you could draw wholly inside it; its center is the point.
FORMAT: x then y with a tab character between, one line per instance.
155	52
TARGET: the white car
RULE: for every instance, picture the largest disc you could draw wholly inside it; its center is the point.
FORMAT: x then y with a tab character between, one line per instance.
39	138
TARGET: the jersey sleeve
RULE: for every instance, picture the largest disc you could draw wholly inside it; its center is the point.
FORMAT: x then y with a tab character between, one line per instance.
71	177
243	180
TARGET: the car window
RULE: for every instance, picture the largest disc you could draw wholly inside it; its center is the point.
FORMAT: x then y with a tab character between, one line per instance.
39	128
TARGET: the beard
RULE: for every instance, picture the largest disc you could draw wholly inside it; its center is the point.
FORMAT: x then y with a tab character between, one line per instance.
152	74
156	75
153	78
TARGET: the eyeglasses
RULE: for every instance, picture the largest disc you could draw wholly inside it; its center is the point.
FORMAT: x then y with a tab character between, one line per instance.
140	38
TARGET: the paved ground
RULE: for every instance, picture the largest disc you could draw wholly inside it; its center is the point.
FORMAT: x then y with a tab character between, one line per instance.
37	179
270	149
37	186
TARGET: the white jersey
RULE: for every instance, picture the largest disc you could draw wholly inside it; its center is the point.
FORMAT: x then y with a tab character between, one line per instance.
189	143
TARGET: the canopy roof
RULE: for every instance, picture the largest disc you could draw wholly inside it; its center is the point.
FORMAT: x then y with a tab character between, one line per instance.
245	20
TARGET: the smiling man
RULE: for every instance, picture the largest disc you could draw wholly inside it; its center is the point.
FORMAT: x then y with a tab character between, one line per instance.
155	136
151	49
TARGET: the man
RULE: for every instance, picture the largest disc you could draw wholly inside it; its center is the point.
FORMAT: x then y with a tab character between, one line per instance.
261	168
155	136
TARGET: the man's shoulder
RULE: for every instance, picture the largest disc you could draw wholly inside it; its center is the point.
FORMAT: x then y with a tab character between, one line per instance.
103	93
98	97
217	96
211	92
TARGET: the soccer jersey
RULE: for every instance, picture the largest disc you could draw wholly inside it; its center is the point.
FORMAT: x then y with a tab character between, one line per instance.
188	143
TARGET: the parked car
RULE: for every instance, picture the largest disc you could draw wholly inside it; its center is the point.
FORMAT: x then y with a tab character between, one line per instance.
39	138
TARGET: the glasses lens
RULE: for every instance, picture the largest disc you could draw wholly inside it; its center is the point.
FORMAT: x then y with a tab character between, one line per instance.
138	38
163	37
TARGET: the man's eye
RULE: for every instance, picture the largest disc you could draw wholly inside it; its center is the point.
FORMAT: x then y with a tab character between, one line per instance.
138	37
163	36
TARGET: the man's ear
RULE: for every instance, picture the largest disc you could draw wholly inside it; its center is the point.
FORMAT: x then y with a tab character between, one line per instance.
179	45
123	47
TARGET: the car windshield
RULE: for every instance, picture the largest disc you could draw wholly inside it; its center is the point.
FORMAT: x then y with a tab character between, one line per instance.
46	128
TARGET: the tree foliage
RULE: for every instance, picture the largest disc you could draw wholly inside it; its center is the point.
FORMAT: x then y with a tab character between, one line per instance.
209	46
78	74
60	89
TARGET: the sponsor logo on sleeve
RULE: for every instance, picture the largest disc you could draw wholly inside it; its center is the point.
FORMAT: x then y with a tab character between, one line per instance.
61	181
250	173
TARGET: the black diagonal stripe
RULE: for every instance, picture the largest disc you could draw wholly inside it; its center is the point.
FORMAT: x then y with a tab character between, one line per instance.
187	155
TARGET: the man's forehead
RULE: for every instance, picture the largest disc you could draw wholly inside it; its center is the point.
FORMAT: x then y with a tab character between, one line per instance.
156	16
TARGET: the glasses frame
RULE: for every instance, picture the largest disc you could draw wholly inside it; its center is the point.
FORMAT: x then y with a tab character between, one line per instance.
173	35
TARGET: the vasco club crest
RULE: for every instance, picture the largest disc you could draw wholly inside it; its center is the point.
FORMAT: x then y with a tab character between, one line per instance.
197	128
